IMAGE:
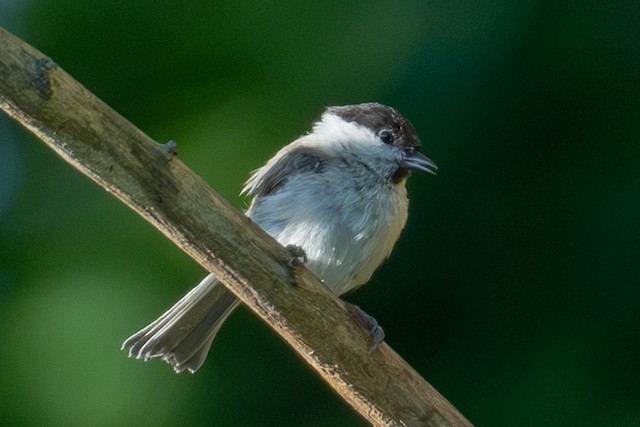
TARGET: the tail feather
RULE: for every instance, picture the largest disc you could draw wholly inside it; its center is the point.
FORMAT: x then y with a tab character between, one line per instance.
183	335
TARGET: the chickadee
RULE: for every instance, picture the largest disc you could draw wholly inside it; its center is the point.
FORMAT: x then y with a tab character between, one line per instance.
338	193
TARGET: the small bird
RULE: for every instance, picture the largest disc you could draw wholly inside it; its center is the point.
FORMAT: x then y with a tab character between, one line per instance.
337	194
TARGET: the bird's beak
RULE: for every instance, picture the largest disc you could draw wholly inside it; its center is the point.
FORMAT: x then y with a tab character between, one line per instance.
415	160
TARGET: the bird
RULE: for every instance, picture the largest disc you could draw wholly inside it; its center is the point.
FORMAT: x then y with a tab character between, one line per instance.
337	195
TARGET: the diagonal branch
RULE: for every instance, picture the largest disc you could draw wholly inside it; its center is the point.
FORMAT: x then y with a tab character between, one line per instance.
103	145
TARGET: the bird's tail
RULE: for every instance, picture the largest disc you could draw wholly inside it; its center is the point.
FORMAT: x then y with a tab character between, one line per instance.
183	335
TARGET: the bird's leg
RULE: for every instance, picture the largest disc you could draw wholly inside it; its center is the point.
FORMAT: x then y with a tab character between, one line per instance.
375	330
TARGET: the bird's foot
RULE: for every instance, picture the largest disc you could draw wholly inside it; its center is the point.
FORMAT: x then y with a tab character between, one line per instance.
369	322
169	149
299	256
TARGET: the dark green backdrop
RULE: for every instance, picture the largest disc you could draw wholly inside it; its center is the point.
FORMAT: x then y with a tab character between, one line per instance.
515	286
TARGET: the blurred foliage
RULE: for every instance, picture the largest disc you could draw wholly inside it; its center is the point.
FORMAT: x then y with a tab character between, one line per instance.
514	289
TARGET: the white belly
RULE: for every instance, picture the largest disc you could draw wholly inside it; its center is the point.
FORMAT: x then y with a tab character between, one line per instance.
345	238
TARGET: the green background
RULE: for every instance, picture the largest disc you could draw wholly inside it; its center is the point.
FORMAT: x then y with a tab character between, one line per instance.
514	288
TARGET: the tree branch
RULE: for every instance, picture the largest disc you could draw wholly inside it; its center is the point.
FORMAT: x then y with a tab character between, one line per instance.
103	145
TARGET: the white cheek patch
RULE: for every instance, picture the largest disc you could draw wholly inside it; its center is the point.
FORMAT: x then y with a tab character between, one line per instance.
332	134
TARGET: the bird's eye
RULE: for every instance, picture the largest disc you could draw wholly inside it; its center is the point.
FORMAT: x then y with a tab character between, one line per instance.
386	136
